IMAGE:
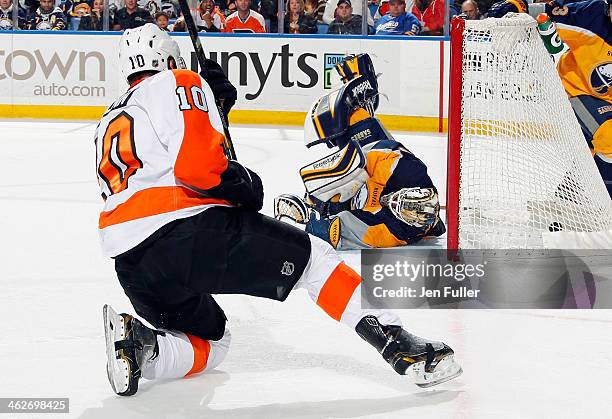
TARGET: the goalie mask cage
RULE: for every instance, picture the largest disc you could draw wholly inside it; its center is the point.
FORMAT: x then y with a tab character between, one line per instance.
520	174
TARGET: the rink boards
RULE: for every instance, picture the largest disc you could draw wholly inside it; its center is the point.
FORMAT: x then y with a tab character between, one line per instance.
76	75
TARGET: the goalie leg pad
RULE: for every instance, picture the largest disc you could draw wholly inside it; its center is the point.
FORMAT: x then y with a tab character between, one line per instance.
337	176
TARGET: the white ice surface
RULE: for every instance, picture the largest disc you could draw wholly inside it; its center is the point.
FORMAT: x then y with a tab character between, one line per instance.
287	359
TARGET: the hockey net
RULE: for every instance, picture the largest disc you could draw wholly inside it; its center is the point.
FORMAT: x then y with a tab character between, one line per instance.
520	174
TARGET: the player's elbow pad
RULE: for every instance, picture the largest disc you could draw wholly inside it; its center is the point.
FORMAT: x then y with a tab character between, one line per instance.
239	186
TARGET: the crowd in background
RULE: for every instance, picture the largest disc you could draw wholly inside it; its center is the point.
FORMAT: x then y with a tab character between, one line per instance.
385	17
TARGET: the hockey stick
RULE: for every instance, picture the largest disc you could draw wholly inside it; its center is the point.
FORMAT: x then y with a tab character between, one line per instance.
228	146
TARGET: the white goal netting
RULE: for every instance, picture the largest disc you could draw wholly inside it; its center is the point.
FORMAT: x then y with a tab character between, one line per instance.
526	172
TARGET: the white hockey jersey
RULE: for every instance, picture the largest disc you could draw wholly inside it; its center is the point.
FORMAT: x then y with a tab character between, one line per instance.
162	135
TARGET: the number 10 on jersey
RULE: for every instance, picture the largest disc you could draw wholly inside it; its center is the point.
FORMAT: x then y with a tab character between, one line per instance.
194	97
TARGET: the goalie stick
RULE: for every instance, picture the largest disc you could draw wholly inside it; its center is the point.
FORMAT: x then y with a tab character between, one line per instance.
228	145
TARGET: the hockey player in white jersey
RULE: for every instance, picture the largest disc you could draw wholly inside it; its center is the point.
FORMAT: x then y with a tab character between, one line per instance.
181	222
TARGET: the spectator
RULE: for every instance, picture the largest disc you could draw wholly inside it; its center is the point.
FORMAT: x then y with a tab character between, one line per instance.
383	8
95	20
230	8
162	20
398	21
245	20
431	15
131	16
179	25
152	6
470	9
345	22
209	18
47	17
296	20
29	6
330	11
484	6
222	4
315	8
76	8
6	16
269	10
170	8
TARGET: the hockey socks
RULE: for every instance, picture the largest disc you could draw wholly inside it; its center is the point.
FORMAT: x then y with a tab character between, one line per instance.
336	288
181	355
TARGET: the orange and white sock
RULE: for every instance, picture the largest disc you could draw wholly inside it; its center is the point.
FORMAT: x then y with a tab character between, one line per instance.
336	288
182	354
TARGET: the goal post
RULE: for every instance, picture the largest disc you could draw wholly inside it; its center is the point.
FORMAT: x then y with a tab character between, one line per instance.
454	133
519	174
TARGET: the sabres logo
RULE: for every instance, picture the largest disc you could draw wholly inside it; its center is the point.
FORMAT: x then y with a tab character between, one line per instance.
5	23
601	78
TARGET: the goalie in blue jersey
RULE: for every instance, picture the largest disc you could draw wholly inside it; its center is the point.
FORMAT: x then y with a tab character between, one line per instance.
585	26
586	72
371	191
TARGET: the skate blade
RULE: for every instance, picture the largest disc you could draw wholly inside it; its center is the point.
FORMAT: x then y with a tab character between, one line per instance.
446	370
117	368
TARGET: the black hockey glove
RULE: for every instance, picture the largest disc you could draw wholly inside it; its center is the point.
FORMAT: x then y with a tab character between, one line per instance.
222	88
240	186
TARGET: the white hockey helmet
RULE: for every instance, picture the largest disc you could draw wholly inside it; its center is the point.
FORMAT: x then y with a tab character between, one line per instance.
147	48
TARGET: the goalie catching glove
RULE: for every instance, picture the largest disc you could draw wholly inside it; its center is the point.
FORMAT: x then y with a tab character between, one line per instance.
300	210
292	207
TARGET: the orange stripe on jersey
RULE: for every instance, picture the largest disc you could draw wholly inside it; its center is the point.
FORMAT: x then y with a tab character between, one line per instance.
337	290
201	160
154	201
201	350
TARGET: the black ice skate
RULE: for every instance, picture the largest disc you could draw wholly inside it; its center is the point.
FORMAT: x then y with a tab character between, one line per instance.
129	343
428	362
